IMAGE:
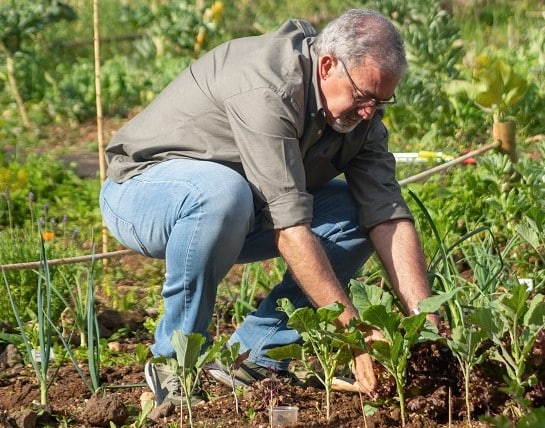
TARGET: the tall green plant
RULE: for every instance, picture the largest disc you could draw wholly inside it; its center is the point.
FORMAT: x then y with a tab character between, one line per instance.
482	255
465	343
512	321
40	358
401	334
321	338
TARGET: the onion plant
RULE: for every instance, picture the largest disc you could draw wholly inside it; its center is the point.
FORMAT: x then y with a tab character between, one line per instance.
40	360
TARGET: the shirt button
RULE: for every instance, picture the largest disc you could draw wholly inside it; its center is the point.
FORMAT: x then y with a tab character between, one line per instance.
312	114
319	132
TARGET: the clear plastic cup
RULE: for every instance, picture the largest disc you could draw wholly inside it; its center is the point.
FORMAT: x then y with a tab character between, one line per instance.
283	415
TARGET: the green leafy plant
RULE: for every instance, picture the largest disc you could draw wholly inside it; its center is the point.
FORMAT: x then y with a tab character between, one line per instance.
191	357
252	277
495	86
231	358
322	338
465	343
40	358
401	334
512	321
476	249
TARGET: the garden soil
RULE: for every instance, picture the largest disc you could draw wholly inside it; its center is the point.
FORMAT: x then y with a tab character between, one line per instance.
434	397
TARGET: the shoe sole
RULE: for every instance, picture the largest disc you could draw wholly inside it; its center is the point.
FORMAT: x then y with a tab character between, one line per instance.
153	383
219	375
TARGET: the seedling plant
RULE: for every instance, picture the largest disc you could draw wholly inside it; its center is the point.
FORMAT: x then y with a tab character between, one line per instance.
191	357
375	307
512	321
322	338
231	358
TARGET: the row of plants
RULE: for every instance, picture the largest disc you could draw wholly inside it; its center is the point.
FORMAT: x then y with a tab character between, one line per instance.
504	197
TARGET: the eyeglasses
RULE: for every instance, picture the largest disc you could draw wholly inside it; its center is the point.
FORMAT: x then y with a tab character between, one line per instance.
365	100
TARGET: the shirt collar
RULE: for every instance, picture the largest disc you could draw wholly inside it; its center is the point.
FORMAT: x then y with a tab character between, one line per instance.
315	100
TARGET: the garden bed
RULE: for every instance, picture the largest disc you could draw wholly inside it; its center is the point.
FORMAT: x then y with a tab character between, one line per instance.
434	396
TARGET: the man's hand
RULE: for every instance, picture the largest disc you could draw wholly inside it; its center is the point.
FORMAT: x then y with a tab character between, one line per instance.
363	364
364	373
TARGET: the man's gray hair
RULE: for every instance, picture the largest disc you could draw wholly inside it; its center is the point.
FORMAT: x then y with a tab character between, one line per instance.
360	34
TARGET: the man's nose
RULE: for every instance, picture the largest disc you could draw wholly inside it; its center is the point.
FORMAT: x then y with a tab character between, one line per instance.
366	112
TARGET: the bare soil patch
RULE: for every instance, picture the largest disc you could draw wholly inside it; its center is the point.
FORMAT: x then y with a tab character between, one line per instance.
434	398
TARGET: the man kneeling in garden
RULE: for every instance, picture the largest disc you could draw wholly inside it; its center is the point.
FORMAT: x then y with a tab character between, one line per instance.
235	161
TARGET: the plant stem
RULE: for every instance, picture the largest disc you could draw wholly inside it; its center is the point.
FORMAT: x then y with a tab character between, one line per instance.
10	67
401	396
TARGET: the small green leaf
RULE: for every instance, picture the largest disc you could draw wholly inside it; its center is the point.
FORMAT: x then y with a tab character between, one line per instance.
328	314
412	326
364	296
303	320
378	316
187	348
535	315
382	351
434	303
485	318
293	351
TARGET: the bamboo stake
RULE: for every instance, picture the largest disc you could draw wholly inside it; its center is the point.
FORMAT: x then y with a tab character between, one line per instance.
10	67
100	119
65	261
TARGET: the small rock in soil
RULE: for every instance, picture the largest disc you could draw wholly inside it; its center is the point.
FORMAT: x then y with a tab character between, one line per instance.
101	410
10	357
163	411
26	419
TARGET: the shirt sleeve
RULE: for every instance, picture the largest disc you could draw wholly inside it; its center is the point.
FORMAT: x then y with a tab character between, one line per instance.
372	182
266	125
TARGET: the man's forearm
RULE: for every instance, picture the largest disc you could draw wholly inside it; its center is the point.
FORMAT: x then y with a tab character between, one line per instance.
311	268
398	248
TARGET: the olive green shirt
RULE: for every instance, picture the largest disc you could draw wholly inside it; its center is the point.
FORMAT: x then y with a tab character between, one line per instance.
254	105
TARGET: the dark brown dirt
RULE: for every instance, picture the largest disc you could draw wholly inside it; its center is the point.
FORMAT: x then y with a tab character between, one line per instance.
434	396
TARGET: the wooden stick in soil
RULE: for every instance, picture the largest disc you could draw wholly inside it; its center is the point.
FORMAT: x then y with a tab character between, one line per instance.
100	118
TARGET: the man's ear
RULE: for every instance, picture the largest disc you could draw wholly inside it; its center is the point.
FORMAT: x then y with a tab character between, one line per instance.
326	63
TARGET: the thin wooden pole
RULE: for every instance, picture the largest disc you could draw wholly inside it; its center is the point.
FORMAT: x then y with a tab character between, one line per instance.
431	171
100	118
67	260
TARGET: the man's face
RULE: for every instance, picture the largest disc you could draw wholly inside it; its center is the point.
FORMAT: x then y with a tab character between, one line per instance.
350	95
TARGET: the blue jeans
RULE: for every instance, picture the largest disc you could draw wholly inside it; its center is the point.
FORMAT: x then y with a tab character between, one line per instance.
199	216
